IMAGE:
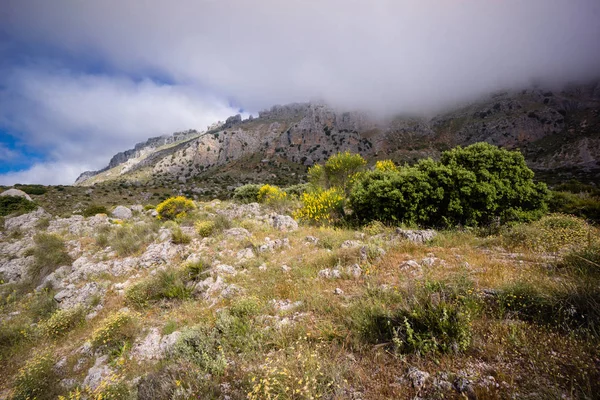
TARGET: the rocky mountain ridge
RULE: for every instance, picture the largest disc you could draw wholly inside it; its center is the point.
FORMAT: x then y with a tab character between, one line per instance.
554	129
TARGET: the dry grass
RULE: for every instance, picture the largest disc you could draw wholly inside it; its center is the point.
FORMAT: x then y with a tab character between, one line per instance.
508	354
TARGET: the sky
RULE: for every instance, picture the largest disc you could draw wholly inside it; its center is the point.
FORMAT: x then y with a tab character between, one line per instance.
83	80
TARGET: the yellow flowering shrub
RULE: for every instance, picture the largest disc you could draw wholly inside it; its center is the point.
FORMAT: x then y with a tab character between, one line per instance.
175	207
36	378
205	228
385	165
295	372
552	233
62	321
116	329
112	387
270	194
321	207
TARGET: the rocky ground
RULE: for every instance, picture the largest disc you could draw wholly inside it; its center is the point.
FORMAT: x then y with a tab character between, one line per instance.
261	307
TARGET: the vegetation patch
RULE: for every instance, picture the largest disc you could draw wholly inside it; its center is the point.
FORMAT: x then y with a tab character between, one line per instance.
13	205
175	208
49	253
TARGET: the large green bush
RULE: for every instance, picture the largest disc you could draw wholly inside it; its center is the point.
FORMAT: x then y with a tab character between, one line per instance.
247	193
15	205
476	185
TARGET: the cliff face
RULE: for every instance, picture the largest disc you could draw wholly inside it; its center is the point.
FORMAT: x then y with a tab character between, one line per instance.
553	130
140	151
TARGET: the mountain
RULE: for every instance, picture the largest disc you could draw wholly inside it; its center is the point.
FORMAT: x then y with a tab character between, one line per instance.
555	130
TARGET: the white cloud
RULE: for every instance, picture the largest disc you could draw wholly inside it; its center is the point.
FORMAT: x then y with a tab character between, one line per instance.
51	173
401	55
85	119
383	55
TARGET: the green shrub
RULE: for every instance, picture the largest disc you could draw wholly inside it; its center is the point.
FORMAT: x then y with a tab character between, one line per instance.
569	307
129	239
431	320
62	321
36	379
178	237
115	330
193	270
167	284
94	209
12	333
175	207
41	305
43	223
552	233
582	205
296	191
10	205
583	262
49	253
247	193
476	185
32	189
201	346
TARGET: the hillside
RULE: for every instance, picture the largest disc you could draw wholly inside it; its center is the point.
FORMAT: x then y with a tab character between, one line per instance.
238	301
557	131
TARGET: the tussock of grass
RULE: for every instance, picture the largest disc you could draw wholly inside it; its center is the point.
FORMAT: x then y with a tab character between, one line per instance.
49	253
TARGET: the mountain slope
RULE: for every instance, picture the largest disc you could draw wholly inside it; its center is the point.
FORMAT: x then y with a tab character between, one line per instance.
553	129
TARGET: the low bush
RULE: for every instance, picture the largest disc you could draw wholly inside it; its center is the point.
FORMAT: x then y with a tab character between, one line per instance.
115	330
205	228
201	346
296	191
13	205
49	252
178	237
94	209
62	321
167	284
175	208
247	193
573	306
33	189
270	194
212	226
296	371
41	305
552	233
584	205
194	270
128	239
36	379
428	321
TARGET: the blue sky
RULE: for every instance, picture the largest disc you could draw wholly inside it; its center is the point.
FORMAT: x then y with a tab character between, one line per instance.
82	80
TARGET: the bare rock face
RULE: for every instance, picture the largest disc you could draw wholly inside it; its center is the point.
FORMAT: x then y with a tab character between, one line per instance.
154	346
122	212
417	236
26	221
97	373
283	222
16	193
71	296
